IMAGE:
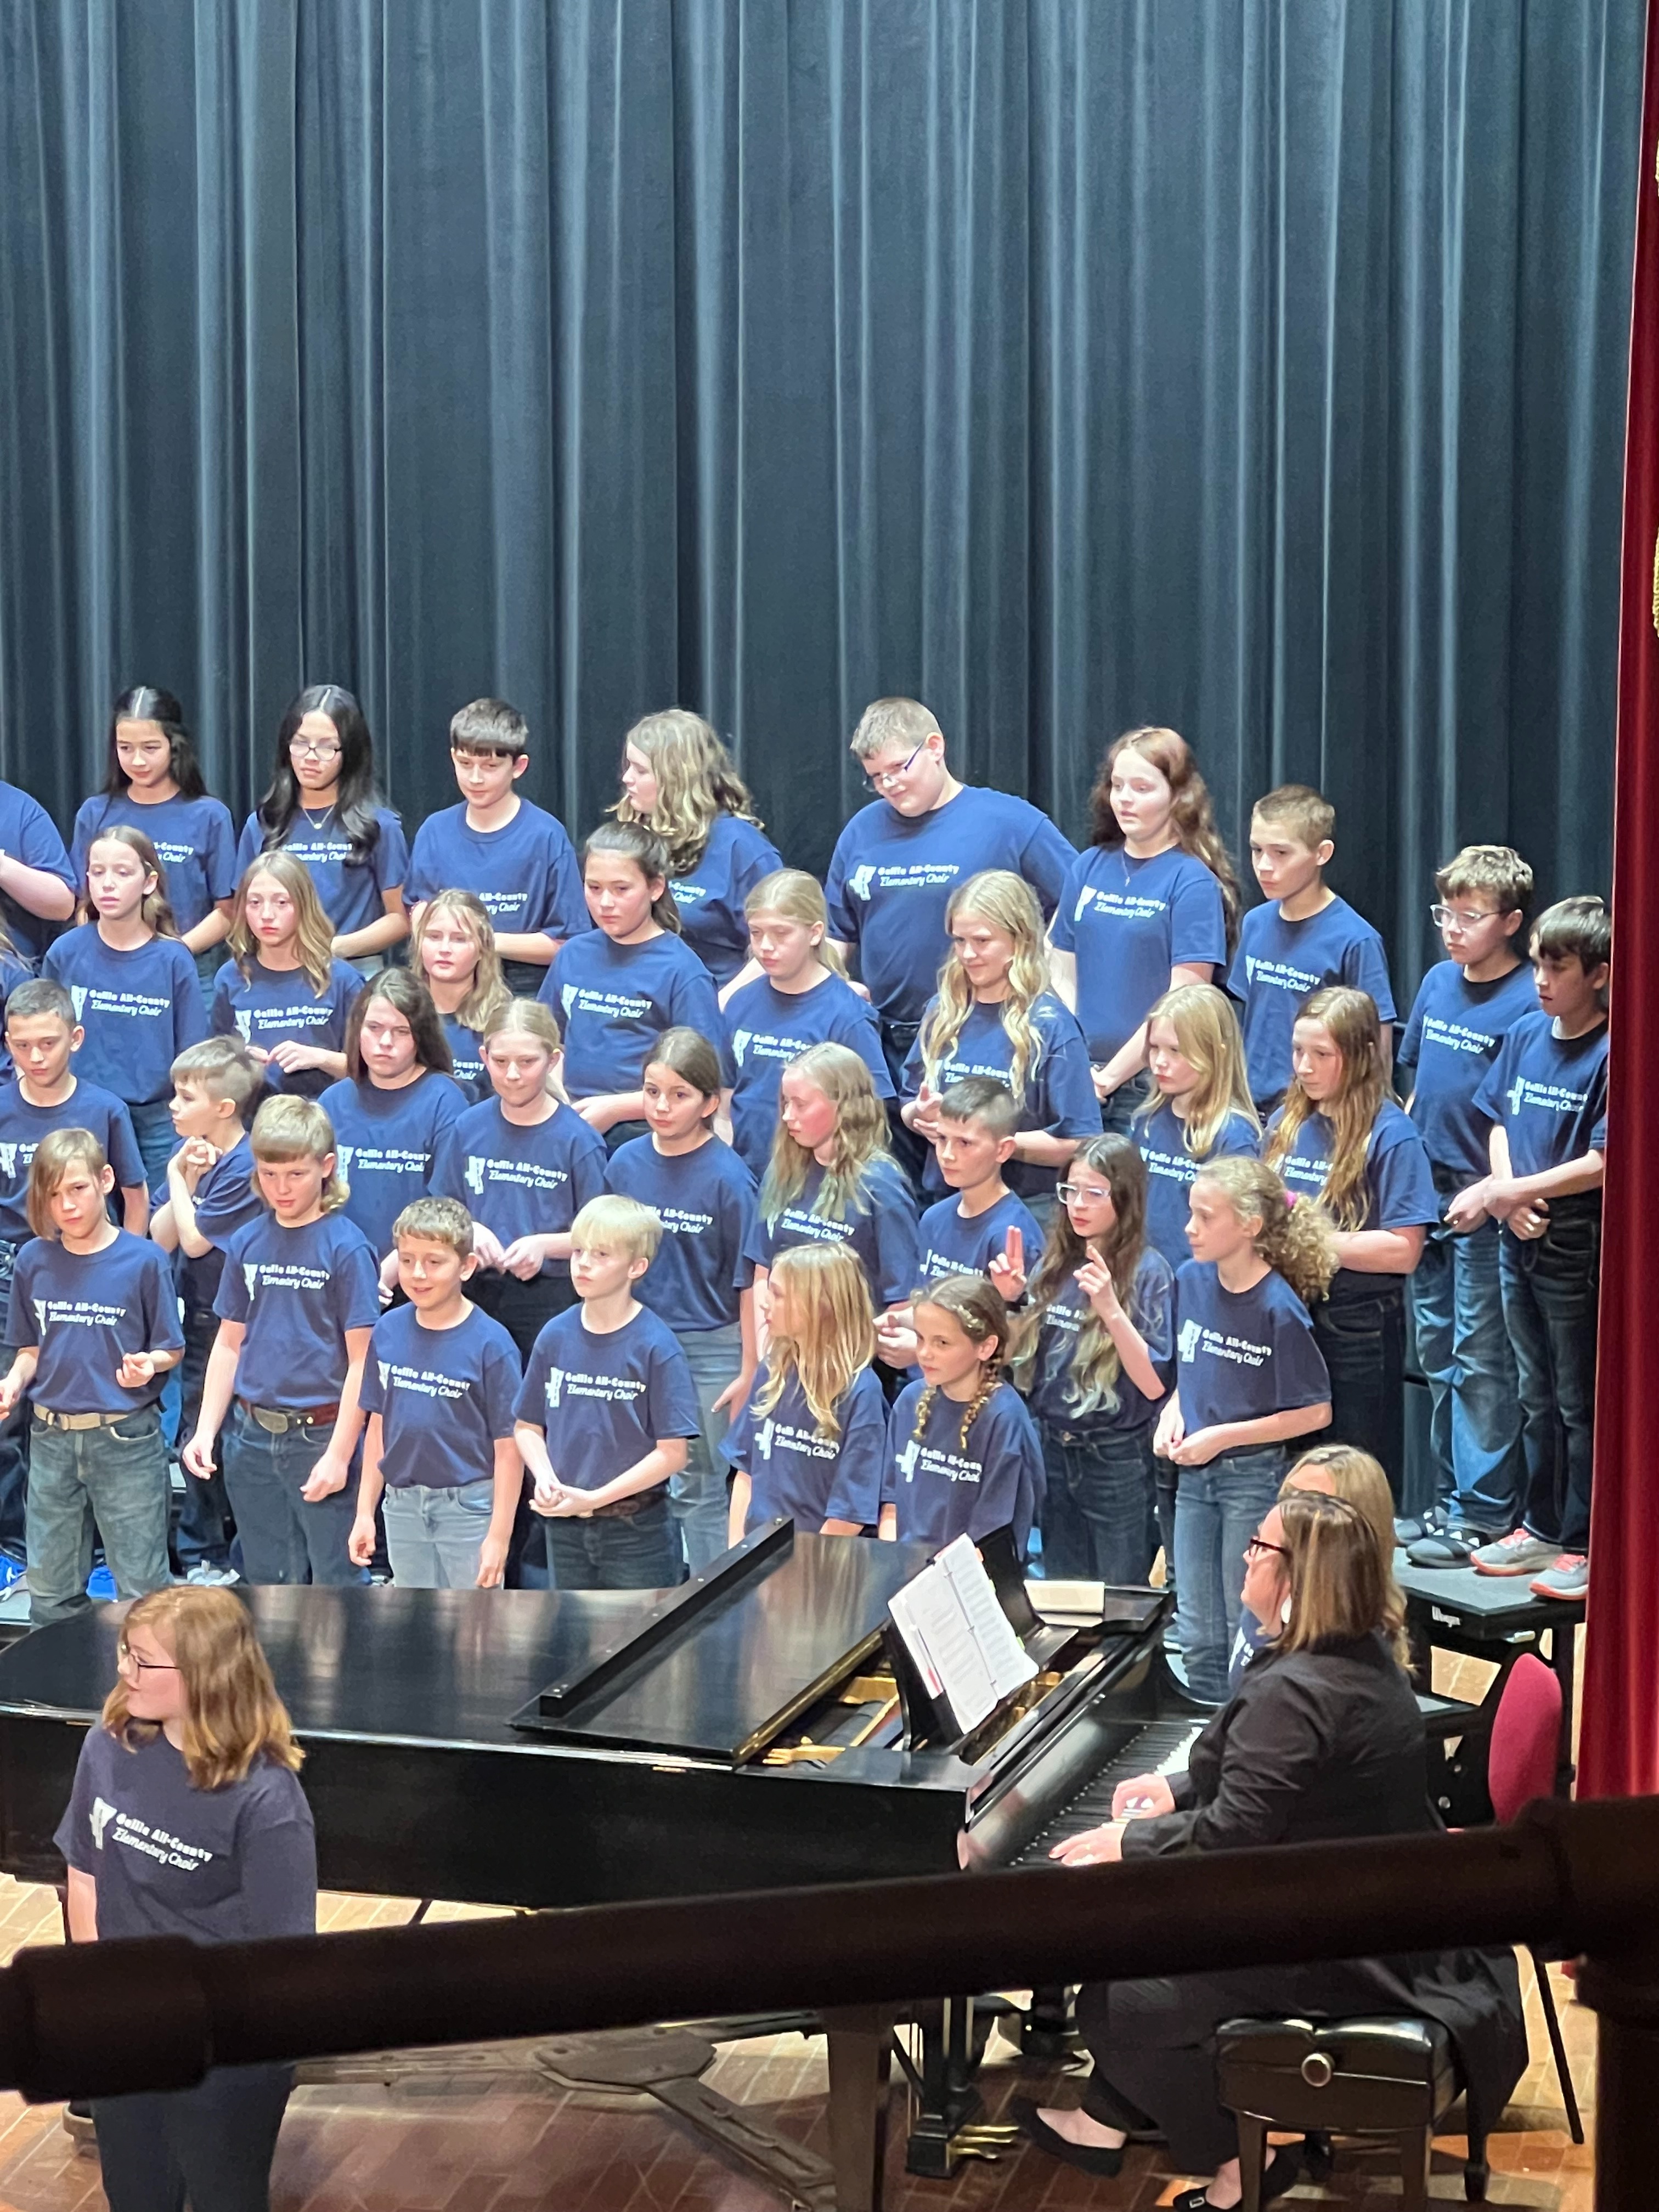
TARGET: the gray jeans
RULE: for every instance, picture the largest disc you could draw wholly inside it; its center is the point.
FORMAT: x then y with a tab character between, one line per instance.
433	1536
698	1493
116	1477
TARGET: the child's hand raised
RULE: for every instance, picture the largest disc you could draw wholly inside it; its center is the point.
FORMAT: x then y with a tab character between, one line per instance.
1007	1270
1094	1279
136	1370
925	1115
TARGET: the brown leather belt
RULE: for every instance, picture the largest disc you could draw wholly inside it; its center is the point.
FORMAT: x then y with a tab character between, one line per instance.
276	1422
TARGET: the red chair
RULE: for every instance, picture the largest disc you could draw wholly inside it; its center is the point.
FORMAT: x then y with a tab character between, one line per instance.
1521	1764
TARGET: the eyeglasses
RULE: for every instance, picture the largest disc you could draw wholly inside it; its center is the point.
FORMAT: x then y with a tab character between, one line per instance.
1443	916
130	1663
883	776
1077	1194
1258	1545
307	748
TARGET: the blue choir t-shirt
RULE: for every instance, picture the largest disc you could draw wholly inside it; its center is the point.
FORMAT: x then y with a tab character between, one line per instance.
891	876
1243	1355
944	1488
195	841
764	1029
13	971
297	1291
606	1400
227	1200
139	1009
706	1199
22	1127
466	1051
738	855
1549	1092
951	1242
1398	1184
269	1005
881	1229
385	1143
445	1397
85	1311
352	893
796	1475
1127	923
28	833
613	1002
1279	964
1056	1395
1060	1089
1451	1040
521	1180
1171	1171
525	873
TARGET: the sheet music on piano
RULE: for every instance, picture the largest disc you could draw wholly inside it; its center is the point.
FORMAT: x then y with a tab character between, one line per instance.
962	1643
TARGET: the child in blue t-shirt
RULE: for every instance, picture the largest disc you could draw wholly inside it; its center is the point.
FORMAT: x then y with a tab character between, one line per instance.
1199	1108
607	1406
390	1118
1545	1095
1149	906
134	986
1097	1363
297	1301
1250	1377
210	1194
439	1389
1303	939
37	884
514	856
994	1015
1466	1007
453	947
154	783
1340	1139
617	987
96	1325
811	1443
963	1457
701	1281
283	991
324	809
801	998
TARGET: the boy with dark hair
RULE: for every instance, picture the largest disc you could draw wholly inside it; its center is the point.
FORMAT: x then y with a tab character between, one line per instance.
1546	1096
1303	939
512	855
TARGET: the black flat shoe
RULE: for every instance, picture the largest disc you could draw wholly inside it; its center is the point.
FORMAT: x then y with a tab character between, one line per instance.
1283	2167
1035	2130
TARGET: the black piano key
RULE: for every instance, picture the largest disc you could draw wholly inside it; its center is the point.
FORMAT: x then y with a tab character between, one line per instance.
1145	1754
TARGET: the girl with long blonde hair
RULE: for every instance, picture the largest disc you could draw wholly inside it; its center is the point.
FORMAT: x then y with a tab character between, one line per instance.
1152	904
798	997
454	948
1340	1137
1199	1108
995	1014
810	1445
193	1745
283	991
678	781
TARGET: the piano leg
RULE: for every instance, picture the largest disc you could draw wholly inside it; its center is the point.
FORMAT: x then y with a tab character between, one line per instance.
947	2099
861	2040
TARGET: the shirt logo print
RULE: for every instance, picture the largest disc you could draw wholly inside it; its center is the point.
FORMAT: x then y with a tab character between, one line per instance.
1517	1094
567	999
906	1461
8	1160
1190	1333
251	1276
741	1041
474	1175
343	1158
78	994
858	882
101	1814
385	1366
763	1439
554	1387
40	1309
245	1026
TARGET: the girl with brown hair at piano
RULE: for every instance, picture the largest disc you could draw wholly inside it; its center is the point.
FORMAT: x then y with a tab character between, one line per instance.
811	1443
188	1820
1324	1739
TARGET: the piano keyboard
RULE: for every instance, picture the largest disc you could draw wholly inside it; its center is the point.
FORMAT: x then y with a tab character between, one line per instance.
1161	1747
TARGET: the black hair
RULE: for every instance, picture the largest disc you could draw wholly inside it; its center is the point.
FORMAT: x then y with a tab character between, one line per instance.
145	703
354	809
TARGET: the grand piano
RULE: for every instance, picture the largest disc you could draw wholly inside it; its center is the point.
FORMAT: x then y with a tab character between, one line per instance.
762	1727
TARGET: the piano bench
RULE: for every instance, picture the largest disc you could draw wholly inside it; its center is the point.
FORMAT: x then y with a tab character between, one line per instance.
1375	2076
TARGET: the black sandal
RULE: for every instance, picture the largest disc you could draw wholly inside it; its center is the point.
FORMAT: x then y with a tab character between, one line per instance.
1283	2169
1096	2158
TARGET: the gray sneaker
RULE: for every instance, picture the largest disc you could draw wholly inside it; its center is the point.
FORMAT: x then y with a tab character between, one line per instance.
1517	1553
207	1577
1569	1577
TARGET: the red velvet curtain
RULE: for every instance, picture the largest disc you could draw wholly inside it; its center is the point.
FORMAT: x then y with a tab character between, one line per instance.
1619	1744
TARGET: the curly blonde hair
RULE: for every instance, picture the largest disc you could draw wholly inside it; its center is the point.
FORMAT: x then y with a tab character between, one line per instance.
1296	1238
697	783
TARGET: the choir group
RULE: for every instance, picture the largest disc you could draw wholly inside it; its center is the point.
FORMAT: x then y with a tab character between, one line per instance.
490	1213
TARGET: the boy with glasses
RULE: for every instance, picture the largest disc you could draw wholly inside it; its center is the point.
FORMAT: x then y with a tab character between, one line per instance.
1465	1006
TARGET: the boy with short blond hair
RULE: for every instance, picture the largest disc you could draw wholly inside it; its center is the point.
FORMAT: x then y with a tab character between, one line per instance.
1302	940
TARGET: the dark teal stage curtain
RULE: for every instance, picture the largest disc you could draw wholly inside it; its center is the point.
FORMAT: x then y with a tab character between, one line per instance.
1257	368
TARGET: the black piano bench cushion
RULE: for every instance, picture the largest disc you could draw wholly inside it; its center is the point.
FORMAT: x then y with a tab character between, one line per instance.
1370	2077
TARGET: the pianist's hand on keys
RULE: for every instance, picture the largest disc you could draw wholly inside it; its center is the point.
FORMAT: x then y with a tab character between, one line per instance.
1138	1799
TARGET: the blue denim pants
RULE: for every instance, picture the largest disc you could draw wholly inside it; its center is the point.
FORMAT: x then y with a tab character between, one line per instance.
1117	1112
617	1551
152	1124
202	1528
14	1426
1360	1328
1218	1508
433	1536
1099	1519
283	1538
1550	1284
1467	1361
116	1477
699	1494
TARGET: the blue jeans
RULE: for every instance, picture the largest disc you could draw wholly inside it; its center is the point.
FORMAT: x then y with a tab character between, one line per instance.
117	1477
698	1495
617	1551
208	965
1361	1330
1463	1349
1118	1112
1098	1521
285	1538
215	2141
433	1536
1218	1508
1550	1289
202	1528
14	1426
152	1124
